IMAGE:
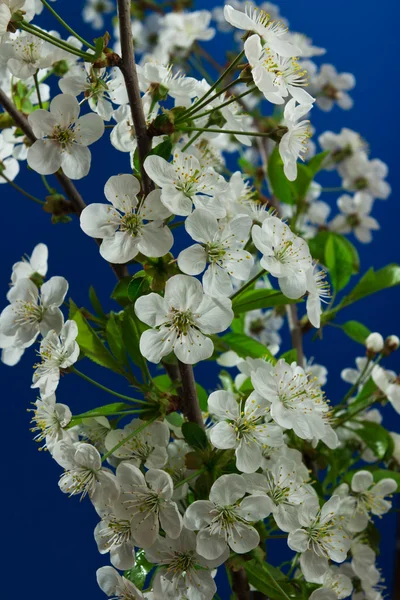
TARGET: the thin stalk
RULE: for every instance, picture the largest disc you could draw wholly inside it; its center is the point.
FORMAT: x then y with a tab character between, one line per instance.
198	106
35	78
350	417
295	332
122	412
333	189
47	185
67	27
248	284
190	477
191	140
54	41
227	131
129	437
106	389
221	78
21	191
356	384
230	101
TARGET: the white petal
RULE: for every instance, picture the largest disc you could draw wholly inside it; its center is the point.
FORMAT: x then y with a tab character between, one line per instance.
89	129
120	248
75	161
44	157
192	260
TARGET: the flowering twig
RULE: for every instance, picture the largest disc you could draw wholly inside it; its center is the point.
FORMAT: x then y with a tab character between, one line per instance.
128	69
190	407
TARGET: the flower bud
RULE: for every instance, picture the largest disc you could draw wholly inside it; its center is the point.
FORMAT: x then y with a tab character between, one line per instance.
391	344
374	343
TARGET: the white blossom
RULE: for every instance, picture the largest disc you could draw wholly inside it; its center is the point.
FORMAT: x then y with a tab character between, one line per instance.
389	384
94	10
355	216
277	77
129	226
296	402
148	499
321	537
264	326
182	29
35	264
57	351
243	427
318	291
329	86
284	486
181	321
118	587
31	312
147	447
272	32
184	182
183	573
361	174
50	419
364	497
63	138
113	534
25	55
285	255
102	88
293	144
222	246
224	520
83	472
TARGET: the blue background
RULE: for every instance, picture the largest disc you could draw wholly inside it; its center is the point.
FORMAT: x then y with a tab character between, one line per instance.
47	537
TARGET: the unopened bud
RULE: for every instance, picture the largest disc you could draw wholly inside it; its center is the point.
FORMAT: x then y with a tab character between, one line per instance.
391	344
374	343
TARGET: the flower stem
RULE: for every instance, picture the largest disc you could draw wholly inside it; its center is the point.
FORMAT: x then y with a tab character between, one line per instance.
191	407
190	477
122	412
216	84
21	191
35	77
106	389
228	131
230	101
128	70
191	140
29	28
67	27
47	185
198	106
129	437
248	284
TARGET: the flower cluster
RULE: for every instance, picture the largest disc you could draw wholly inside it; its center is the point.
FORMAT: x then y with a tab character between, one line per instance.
213	262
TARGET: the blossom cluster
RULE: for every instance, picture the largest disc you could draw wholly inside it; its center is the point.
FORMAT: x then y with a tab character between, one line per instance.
185	480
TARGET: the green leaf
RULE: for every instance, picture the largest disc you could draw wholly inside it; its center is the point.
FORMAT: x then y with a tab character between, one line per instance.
89	342
270	581
376	438
237	324
98	309
114	336
302	182
164	149
318	244
255	299
245	346
315	164
356	331
138	286
339	260
280	186
362	399
194	435
107	409
290	356
137	575
131	332
175	419
374	281
120	292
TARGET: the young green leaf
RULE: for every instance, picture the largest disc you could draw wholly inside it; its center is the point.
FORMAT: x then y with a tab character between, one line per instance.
195	436
246	346
356	331
255	299
280	186
137	575
120	292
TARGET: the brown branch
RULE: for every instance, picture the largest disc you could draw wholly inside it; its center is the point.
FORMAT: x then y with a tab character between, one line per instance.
190	406
296	333
240	585
128	69
77	202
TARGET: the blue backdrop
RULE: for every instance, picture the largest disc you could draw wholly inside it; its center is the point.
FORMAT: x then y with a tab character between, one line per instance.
47	537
